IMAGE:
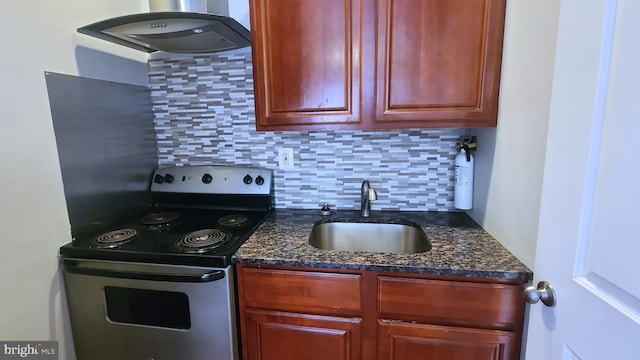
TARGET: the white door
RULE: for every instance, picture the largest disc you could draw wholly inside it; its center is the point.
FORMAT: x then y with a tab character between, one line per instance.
589	231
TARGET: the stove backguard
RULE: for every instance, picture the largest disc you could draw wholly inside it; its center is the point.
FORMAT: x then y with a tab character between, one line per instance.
106	147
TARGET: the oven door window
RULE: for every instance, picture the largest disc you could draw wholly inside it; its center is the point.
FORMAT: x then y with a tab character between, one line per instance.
166	309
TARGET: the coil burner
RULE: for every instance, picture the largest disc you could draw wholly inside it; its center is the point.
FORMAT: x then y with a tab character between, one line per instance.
201	241
115	238
234	220
160	220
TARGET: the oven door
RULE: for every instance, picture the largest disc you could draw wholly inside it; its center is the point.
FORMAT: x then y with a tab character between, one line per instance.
123	310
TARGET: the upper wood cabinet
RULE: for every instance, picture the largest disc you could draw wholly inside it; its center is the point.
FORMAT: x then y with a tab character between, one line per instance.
306	58
376	64
438	62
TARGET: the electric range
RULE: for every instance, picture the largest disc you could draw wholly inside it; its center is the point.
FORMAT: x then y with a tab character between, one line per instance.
160	285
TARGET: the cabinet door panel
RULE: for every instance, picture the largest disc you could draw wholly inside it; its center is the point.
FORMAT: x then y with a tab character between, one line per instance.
282	336
425	342
306	61
438	61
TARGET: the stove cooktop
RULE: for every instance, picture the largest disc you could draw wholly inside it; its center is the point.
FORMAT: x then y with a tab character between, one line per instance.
199	237
200	219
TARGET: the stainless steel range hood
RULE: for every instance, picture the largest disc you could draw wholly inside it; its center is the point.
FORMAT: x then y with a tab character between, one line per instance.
181	26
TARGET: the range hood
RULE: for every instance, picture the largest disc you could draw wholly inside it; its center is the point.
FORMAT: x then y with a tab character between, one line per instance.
181	26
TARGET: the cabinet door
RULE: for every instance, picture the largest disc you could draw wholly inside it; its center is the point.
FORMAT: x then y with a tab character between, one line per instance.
272	335
418	341
438	62
306	57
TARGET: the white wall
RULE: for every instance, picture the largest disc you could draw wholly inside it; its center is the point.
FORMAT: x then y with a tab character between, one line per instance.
239	10
39	36
510	158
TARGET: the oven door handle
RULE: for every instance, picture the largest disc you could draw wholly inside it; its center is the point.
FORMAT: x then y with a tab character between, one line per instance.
72	267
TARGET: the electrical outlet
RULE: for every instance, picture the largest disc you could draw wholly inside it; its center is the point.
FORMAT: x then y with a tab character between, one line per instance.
285	158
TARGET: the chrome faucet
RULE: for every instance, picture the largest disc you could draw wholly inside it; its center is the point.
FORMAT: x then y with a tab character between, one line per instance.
367	194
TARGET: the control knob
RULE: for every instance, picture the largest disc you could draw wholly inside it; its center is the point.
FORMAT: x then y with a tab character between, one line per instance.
207	178
247	179
158	179
168	178
259	180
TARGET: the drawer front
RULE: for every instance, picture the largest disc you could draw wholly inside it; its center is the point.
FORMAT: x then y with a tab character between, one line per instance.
301	291
493	306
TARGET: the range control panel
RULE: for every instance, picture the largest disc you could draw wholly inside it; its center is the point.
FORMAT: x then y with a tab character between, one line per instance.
213	179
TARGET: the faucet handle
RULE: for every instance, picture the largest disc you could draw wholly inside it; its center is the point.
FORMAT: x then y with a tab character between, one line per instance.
373	195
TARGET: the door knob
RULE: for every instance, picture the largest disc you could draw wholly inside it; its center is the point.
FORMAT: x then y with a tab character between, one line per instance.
543	292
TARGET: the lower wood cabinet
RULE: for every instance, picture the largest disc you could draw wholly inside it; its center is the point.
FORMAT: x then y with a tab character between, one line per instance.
309	313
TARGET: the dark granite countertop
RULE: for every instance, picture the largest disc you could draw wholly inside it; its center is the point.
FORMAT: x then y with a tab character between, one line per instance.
459	246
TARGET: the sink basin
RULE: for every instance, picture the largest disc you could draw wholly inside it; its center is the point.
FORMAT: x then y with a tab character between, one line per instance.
369	237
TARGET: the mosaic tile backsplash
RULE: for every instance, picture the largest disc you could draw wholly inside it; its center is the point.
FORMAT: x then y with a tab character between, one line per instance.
204	115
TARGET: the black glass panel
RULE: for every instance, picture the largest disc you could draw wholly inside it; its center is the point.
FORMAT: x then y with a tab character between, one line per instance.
166	309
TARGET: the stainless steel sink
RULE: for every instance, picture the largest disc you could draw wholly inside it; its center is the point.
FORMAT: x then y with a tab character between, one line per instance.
369	237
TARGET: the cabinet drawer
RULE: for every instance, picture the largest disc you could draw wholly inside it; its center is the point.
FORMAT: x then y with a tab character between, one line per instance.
493	306
302	291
